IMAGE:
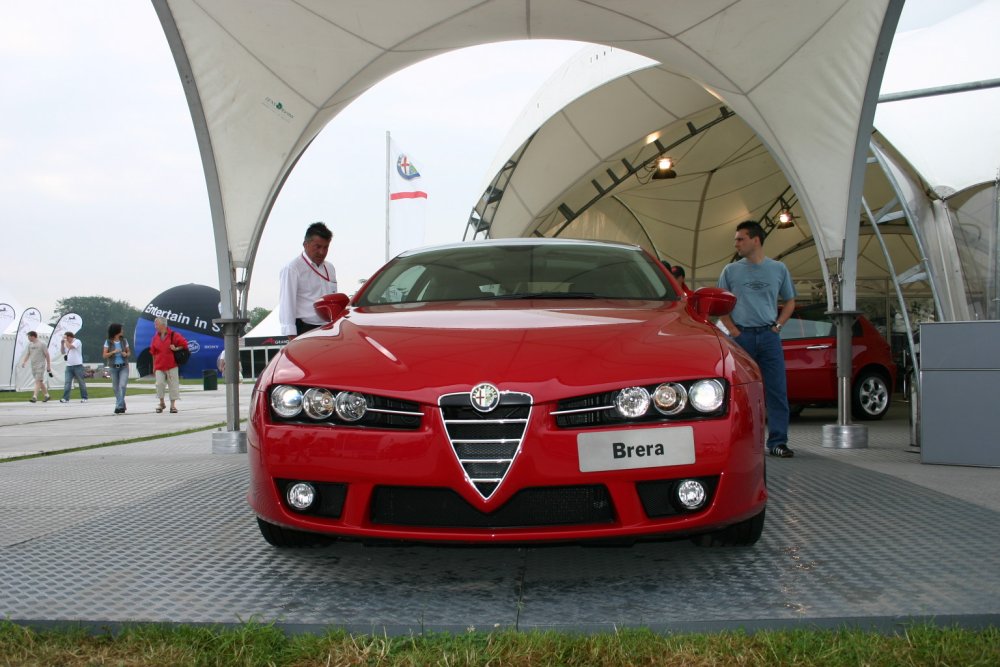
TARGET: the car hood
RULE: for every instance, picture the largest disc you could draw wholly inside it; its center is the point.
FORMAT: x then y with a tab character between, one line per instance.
545	348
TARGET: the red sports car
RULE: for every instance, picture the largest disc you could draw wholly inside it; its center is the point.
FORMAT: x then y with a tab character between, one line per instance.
512	391
809	341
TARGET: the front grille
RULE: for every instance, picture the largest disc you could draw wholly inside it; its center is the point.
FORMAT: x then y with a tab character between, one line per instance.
443	508
485	443
659	497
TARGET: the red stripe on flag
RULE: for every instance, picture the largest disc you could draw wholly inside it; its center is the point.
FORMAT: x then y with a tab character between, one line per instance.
417	194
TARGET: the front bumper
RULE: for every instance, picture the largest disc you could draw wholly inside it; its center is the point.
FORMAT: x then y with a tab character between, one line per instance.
409	485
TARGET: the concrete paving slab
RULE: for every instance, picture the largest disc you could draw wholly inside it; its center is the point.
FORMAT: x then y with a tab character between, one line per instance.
34	428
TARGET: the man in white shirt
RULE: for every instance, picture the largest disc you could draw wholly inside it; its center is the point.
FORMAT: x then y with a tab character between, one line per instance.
304	280
72	351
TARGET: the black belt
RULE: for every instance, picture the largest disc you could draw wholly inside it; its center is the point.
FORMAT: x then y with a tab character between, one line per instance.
743	328
119	365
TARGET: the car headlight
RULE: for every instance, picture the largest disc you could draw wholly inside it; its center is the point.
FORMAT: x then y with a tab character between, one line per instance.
670	398
318	403
286	401
351	406
632	402
707	395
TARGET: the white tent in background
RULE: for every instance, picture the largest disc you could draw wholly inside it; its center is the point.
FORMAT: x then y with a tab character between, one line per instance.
562	169
260	344
12	376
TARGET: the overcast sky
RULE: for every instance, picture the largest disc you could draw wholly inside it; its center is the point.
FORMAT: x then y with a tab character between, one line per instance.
102	190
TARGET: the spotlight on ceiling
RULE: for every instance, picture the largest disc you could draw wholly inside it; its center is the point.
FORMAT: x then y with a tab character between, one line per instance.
785	219
665	168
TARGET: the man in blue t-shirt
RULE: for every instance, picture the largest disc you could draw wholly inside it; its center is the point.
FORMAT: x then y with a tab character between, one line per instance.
759	283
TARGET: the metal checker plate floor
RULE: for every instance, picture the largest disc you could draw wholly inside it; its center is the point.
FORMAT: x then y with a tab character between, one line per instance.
160	531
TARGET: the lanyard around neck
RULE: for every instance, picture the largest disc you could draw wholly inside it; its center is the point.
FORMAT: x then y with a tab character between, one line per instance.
313	268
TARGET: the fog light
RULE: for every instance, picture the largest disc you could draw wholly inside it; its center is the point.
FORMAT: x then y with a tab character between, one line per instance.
691	493
301	495
351	406
632	402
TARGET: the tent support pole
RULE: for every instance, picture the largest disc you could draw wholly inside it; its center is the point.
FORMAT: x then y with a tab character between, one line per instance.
232	440
844	434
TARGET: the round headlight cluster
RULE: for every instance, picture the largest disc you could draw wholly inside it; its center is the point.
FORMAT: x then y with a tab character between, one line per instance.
286	401
707	395
318	403
351	406
632	402
670	398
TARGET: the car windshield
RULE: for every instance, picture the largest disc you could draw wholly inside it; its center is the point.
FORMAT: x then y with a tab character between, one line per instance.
518	271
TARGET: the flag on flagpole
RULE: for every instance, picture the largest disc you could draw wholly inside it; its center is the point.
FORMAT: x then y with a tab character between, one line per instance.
405	214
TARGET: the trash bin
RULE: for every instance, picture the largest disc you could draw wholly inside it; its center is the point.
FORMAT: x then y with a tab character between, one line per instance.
210	379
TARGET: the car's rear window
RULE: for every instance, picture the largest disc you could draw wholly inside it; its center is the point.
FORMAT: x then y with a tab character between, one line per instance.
813	322
481	271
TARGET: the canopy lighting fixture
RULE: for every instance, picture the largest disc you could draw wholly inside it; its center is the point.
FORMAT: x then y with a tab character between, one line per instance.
785	219
664	168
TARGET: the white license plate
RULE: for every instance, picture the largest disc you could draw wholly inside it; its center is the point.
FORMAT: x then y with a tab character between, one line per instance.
638	448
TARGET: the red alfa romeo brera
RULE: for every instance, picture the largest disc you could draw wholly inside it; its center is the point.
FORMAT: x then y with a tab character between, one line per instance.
514	391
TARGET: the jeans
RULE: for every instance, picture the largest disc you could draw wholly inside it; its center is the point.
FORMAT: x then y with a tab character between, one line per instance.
119	382
75	372
764	346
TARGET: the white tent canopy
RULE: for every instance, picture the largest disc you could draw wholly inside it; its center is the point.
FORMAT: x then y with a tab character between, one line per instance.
263	77
564	154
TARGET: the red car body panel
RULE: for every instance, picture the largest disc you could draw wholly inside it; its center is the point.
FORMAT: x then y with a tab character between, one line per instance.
549	349
811	360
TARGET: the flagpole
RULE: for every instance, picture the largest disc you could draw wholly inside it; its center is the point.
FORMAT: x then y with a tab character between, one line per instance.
387	195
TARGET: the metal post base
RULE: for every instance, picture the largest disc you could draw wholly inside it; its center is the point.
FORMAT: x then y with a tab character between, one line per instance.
845	436
229	442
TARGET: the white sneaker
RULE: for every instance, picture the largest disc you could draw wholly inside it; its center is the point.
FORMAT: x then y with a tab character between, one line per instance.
83	400
63	400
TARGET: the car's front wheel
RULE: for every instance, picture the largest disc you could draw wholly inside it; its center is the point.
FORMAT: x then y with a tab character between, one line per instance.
286	537
870	397
742	534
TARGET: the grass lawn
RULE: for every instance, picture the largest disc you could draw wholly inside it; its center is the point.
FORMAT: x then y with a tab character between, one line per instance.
93	391
253	644
98	388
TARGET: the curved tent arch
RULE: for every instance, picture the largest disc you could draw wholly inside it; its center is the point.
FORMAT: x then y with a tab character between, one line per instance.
263	77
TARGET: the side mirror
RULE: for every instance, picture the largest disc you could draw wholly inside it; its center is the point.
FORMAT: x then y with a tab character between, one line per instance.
331	306
713	302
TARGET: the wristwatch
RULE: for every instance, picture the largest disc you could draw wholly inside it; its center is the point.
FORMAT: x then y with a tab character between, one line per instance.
777	325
